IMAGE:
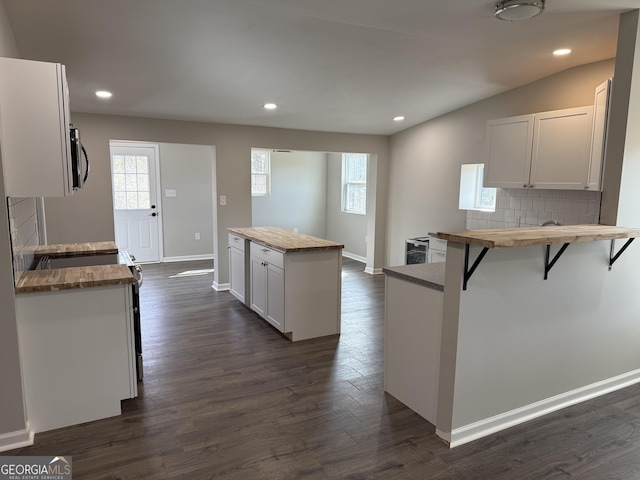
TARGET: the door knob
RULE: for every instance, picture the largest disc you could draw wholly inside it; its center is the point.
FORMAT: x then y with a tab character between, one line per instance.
153	206
154	214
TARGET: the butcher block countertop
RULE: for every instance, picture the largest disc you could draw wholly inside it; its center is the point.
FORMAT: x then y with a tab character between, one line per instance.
284	240
75	249
57	279
526	237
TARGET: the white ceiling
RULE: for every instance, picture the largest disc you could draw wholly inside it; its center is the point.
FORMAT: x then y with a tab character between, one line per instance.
330	65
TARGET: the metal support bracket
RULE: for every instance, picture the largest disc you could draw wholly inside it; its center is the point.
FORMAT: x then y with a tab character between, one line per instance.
548	265
612	257
469	271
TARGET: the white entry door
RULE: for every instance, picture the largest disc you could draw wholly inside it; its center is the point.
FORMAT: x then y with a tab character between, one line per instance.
135	209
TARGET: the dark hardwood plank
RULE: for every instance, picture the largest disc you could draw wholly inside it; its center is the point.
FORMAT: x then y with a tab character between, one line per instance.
226	396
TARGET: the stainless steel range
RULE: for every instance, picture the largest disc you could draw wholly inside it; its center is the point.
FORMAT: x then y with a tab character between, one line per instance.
122	258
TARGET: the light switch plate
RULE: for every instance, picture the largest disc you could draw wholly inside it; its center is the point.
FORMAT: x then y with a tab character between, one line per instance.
170	193
223	199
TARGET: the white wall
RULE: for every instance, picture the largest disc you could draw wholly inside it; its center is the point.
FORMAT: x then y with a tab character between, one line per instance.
88	215
187	169
346	228
12	414
298	197
424	175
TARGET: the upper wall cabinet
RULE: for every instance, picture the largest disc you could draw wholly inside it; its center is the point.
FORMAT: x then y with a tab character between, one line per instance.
560	150
34	129
510	142
599	138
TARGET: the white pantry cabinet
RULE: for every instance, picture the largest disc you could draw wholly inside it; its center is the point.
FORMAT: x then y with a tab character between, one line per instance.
34	129
548	150
267	285
238	268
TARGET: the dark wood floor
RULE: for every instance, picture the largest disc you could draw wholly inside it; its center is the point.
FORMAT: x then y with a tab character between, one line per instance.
225	396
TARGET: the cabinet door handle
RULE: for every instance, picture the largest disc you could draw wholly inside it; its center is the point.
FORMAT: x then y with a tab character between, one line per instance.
265	250
525	186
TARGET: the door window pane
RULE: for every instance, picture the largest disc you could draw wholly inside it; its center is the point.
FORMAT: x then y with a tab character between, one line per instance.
131	186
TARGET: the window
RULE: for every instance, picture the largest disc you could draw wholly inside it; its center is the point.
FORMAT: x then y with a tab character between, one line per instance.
131	187
473	195
354	183
260	173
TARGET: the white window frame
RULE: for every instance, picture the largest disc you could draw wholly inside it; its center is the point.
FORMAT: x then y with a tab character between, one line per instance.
347	182
266	174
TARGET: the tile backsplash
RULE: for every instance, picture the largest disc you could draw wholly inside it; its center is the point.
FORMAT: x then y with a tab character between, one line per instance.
23	227
519	207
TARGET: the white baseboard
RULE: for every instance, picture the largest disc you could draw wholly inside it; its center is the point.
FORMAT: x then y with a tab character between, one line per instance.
187	258
505	420
373	271
355	257
19	439
221	287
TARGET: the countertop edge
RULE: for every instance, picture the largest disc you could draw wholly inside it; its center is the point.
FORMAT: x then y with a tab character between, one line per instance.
429	275
241	232
98	277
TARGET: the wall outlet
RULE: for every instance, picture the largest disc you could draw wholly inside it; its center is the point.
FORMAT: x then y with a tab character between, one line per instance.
223	199
197	235
295	230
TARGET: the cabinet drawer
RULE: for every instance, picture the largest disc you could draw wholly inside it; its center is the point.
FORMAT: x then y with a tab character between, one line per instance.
437	244
269	255
236	241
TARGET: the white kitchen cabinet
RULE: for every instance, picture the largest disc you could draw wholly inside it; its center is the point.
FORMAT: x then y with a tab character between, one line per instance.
34	131
509	147
561	149
599	137
267	285
238	268
548	150
77	354
437	250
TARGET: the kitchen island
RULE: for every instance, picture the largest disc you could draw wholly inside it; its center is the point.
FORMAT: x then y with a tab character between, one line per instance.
76	339
293	281
514	346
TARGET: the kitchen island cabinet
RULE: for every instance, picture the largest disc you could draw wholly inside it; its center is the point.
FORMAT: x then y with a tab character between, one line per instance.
238	268
514	346
294	281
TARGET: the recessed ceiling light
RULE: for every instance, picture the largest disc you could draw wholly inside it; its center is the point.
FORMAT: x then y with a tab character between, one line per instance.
562	51
103	94
516	10
270	106
399	118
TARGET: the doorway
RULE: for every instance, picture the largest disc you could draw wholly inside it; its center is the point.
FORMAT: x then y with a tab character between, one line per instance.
136	211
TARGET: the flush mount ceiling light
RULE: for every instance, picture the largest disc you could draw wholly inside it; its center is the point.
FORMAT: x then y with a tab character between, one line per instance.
270	106
399	118
103	94
516	10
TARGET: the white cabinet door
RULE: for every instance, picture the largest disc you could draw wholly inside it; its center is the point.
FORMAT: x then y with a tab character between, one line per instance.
599	135
275	296
258	286
562	149
35	129
236	273
509	143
